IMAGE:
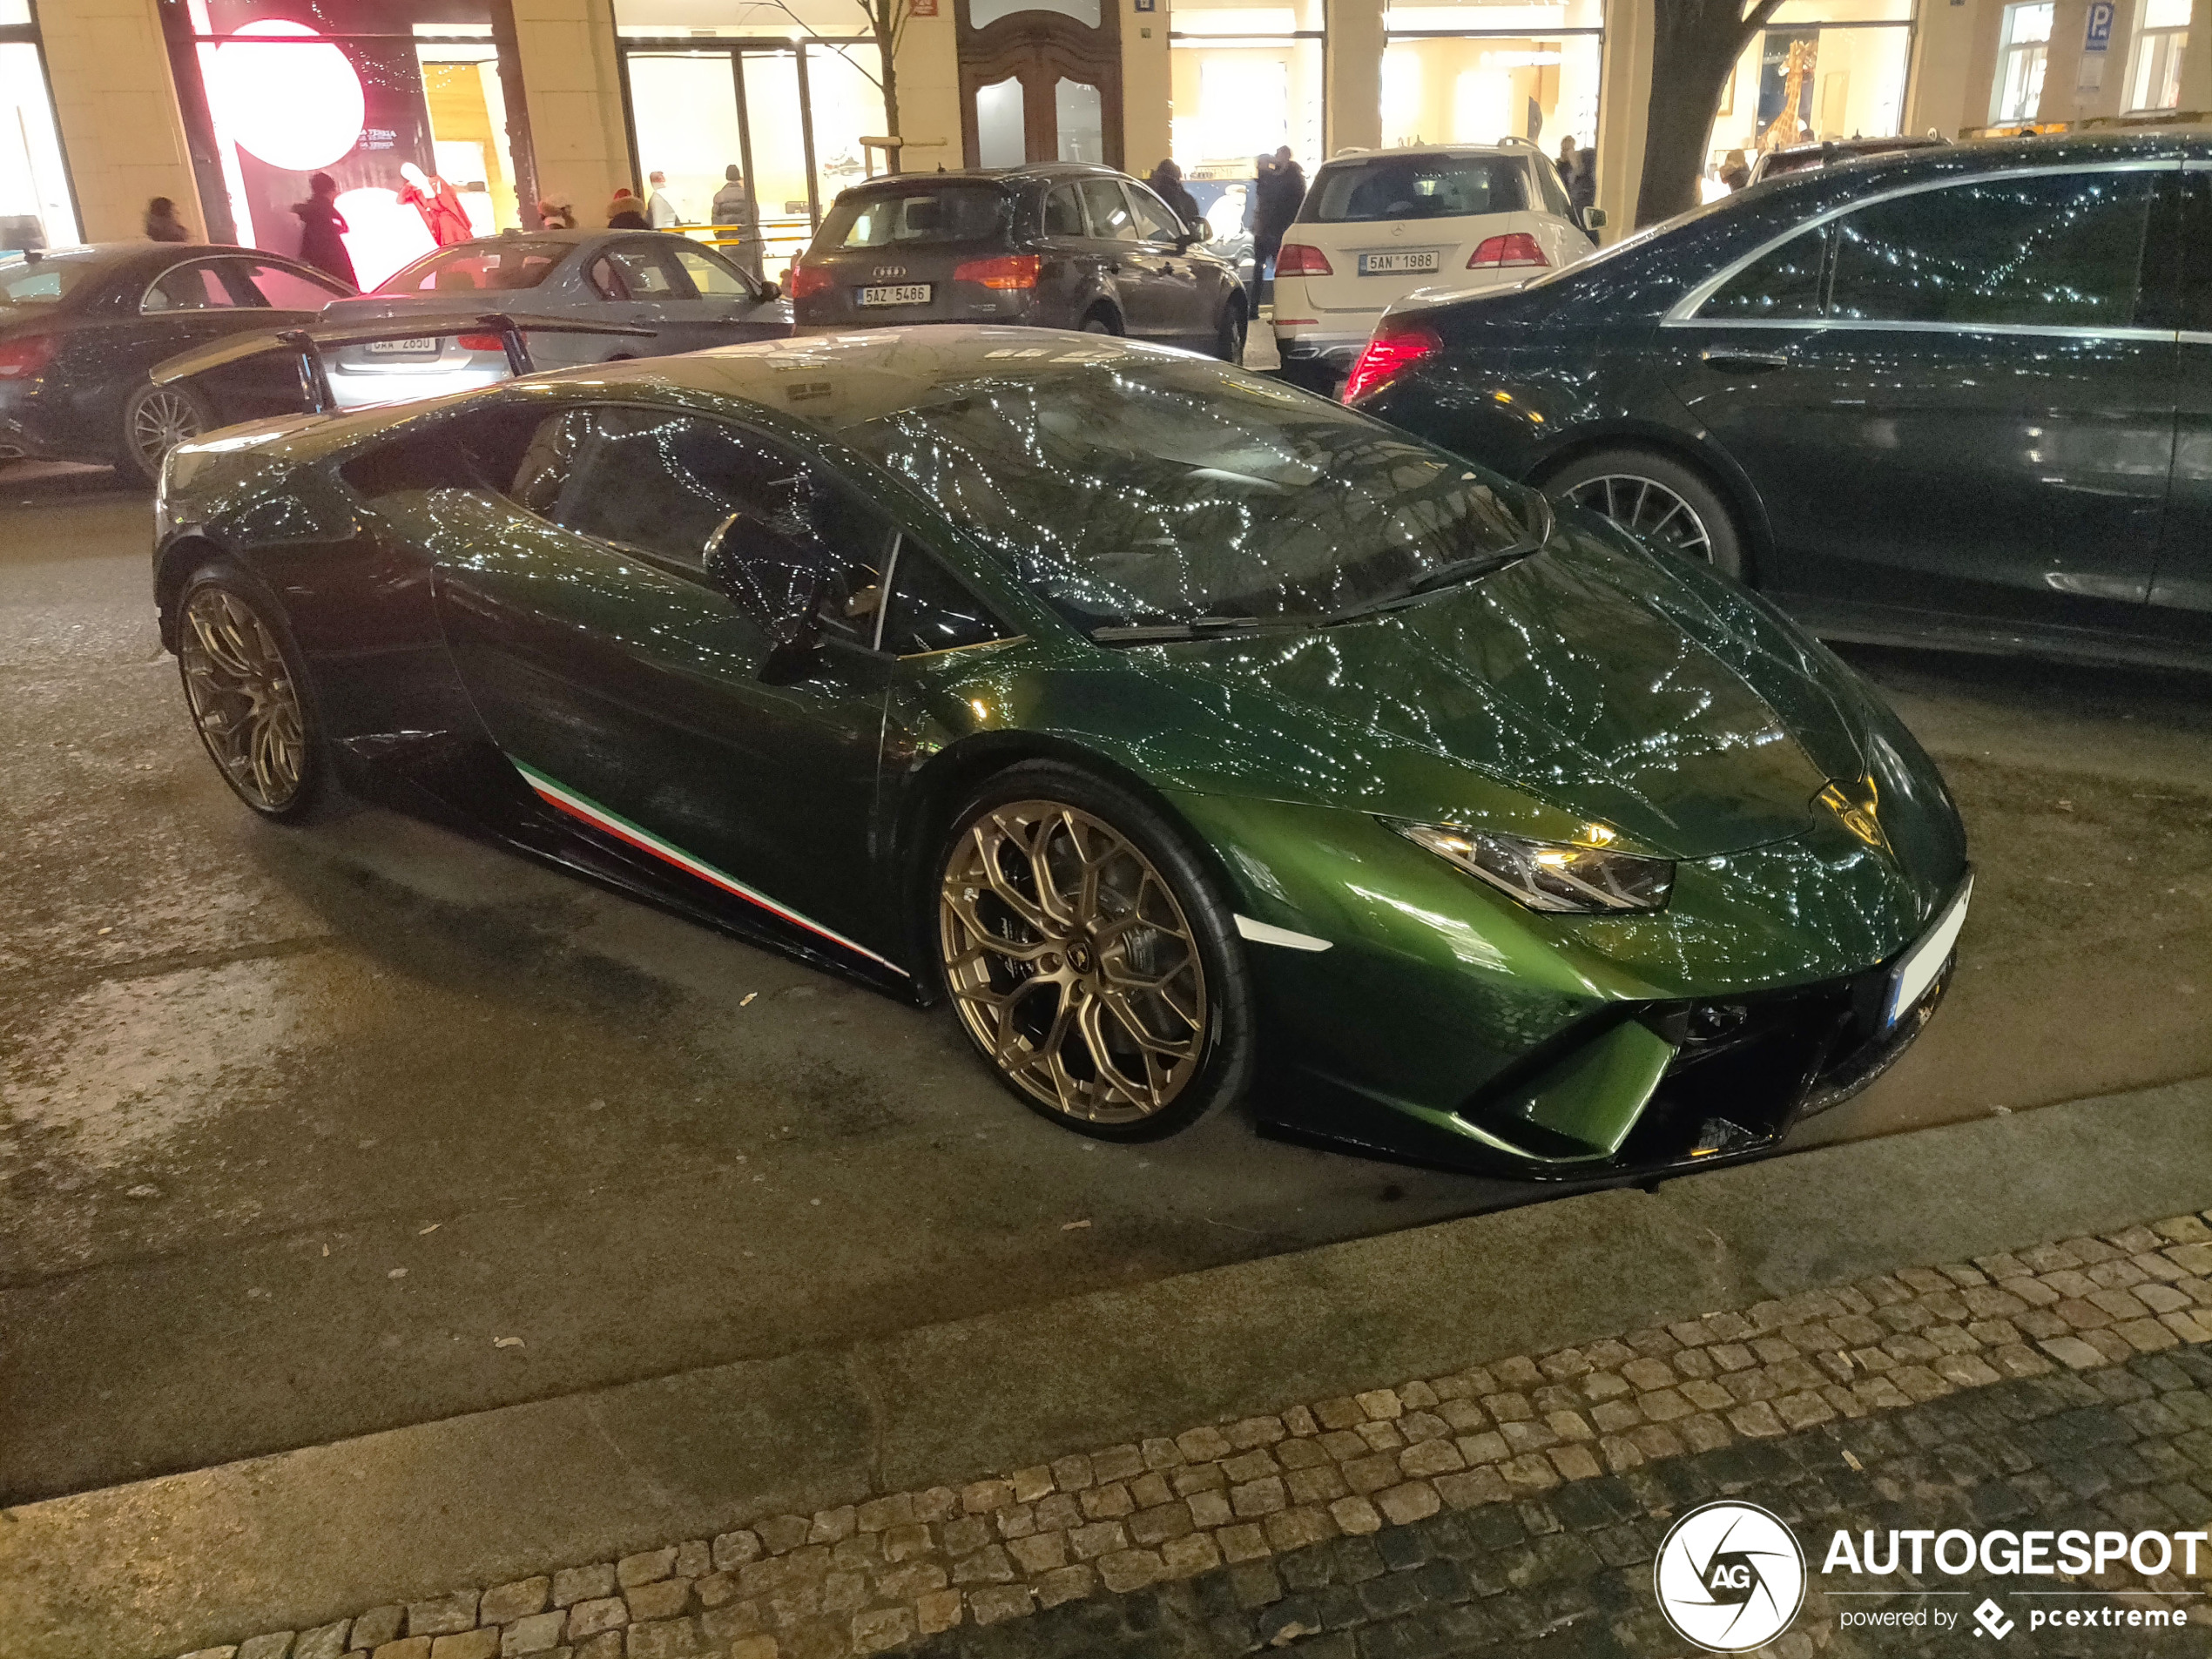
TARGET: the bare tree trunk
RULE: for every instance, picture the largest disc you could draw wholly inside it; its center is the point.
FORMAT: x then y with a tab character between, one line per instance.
1693	48
891	109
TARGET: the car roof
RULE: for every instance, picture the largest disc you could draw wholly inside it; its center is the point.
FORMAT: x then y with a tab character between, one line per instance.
1028	171
1355	157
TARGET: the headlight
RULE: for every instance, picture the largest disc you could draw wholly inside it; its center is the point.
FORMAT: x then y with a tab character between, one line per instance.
1581	877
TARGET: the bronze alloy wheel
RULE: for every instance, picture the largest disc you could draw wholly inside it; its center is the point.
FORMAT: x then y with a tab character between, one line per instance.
243	698
1648	510
1071	962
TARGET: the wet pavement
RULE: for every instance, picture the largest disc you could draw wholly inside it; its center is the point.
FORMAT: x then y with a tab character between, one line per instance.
301	1130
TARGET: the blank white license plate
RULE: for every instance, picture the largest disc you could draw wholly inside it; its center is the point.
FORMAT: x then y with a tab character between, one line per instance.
906	293
1395	264
1909	979
418	346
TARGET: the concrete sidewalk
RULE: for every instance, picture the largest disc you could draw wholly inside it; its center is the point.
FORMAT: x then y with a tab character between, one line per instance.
298	1540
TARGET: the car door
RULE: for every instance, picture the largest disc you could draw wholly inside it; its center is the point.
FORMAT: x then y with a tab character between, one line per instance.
619	667
655	292
1972	422
731	304
1071	266
2180	590
1172	290
1113	237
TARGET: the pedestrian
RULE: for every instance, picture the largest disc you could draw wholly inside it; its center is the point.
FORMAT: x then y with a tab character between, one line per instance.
322	231
1167	184
162	223
438	202
1584	191
1736	171
1567	163
1282	192
625	211
660	211
555	216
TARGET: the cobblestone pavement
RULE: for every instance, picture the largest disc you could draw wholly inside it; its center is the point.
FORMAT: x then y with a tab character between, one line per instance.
1509	1507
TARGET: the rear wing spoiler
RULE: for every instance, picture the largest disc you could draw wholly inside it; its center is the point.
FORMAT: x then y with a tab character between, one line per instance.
309	343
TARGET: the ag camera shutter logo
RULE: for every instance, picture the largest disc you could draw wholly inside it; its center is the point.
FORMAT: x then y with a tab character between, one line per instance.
1730	1577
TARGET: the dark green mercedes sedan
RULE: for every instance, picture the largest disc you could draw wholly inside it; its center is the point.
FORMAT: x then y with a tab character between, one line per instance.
1197	739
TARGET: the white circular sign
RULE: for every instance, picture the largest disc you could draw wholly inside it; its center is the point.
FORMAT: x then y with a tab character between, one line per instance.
1730	1577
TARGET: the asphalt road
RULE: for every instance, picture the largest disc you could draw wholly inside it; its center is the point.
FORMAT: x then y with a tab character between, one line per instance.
298	1128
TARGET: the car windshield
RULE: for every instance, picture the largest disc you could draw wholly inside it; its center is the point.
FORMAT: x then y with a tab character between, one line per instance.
1148	490
969	212
1417	187
46	281
477	267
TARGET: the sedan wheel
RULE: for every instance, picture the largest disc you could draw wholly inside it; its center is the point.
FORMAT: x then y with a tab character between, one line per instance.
244	699
157	420
1665	504
1078	968
1648	510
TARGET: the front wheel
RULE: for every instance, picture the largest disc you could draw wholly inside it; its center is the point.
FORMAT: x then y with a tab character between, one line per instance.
249	699
1229	334
1089	958
156	419
1659	501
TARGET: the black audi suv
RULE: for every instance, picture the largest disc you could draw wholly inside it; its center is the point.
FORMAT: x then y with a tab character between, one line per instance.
1960	397
1055	245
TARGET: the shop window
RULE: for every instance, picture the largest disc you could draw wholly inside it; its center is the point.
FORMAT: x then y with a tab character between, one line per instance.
1246	80
1820	70
35	208
2155	82
2018	91
1479	71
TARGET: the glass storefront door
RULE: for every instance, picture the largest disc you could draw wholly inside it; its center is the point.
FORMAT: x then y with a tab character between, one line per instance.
1475	71
37	209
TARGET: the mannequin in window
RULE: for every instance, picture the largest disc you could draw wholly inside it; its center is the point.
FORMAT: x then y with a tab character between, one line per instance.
439	204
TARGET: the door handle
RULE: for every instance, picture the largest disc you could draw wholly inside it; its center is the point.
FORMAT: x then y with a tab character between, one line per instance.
1731	357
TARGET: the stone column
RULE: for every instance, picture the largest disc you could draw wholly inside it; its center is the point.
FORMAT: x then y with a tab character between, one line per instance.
2064	97
1624	111
1147	94
115	106
1353	75
2197	59
571	82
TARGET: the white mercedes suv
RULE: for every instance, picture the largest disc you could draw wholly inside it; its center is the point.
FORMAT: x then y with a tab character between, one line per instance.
1378	225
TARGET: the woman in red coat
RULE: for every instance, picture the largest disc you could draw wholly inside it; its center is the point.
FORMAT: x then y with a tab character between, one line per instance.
439	204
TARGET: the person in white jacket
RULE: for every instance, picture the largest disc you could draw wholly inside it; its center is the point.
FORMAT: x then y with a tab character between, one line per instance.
660	210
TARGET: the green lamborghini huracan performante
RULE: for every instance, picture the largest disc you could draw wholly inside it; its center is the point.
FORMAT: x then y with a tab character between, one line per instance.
1198	740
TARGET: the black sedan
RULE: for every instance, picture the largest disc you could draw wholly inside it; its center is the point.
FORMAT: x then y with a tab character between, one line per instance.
1960	397
80	328
1052	246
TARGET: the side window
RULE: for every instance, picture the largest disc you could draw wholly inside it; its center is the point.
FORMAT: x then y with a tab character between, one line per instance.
648	273
188	287
1063	214
288	290
2197	254
1111	220
605	280
1555	192
930	610
2061	249
1156	222
1784	283
709	275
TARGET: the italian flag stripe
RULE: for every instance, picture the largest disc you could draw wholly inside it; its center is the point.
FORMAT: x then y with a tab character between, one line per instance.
565	800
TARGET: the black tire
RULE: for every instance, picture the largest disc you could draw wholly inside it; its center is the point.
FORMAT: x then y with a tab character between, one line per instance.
1635	476
209	699
1229	333
1198	928
1101	322
154	419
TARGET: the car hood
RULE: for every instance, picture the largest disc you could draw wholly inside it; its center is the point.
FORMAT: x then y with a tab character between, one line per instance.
1593	678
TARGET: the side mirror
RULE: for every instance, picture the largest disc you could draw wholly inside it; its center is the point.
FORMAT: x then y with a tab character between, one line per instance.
1200	230
1593	218
772	291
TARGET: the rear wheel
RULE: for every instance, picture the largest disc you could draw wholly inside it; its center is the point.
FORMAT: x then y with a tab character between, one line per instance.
1089	958
1100	322
249	699
156	419
1659	501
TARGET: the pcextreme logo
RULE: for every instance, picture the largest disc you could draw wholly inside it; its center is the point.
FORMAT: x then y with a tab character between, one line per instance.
1730	1577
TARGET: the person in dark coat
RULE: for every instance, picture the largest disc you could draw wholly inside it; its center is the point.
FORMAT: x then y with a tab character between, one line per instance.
1167	184
162	223
1568	163
626	211
1282	192
1582	190
322	231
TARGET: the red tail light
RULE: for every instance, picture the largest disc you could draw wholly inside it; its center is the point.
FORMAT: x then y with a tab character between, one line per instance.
1006	271
807	281
1389	355
481	342
21	358
1296	259
1499	251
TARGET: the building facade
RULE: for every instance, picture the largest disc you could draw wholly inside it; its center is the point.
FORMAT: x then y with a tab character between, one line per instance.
227	106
